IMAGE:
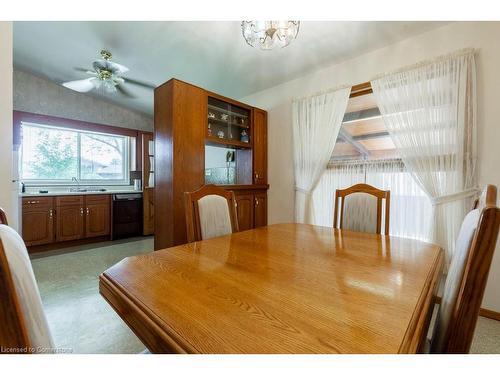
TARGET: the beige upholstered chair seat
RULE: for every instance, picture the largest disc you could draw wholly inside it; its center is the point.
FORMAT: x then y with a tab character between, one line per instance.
360	213
26	289
360	209
467	275
214	216
210	212
453	279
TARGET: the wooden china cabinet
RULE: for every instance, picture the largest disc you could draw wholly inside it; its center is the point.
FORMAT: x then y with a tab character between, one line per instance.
188	119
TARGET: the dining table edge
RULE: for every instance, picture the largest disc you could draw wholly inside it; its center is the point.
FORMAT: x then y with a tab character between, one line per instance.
155	334
416	333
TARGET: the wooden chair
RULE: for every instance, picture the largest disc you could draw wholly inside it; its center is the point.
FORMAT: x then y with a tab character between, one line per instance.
210	212
3	217
23	325
467	276
357	209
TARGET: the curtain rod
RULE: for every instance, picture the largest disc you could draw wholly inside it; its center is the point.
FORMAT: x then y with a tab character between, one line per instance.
360	162
327	91
458	53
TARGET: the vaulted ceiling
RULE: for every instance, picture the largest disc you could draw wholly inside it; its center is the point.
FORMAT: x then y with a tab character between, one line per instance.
212	55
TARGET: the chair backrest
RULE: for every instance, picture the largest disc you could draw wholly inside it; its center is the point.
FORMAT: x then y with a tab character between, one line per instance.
361	209
3	217
467	276
210	212
23	325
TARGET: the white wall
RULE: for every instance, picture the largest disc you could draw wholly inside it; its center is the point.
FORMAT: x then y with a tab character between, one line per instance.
277	100
7	193
41	96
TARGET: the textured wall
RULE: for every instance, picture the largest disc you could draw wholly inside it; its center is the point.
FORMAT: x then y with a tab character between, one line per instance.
38	95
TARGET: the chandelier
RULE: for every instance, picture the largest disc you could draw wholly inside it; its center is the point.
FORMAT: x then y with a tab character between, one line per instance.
269	34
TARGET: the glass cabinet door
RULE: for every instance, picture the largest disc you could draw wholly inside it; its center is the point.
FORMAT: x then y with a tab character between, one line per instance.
227	122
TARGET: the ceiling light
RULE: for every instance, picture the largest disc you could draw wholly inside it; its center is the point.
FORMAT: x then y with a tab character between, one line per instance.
269	34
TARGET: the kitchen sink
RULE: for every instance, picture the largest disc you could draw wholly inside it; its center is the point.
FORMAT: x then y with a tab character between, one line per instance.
86	190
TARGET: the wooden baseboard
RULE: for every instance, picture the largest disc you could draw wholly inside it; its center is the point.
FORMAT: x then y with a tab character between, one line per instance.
485	313
490	314
65	244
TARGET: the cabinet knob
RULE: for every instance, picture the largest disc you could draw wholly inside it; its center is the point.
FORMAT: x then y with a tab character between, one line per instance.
256	201
81	211
88	211
51	213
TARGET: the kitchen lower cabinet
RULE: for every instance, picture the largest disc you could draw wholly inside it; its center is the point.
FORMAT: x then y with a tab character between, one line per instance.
51	220
38	221
97	215
70	218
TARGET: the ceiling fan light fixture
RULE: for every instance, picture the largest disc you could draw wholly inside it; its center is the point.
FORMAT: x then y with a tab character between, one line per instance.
106	78
268	35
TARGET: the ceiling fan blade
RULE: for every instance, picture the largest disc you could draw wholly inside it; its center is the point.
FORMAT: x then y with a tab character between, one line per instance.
139	83
122	90
116	68
78	69
82	85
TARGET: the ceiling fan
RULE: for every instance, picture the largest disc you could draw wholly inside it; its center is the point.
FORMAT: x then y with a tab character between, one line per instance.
106	76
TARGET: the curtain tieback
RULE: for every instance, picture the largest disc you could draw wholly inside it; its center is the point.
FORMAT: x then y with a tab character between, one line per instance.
454	196
303	191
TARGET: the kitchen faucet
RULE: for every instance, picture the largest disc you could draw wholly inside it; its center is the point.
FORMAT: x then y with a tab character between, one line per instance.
76	180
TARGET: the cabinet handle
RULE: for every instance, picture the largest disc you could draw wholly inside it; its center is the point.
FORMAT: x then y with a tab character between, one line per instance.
51	213
88	211
256	176
33	202
256	201
81	211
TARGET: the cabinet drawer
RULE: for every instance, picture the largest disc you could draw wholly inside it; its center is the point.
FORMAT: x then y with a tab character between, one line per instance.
69	200
37	202
97	199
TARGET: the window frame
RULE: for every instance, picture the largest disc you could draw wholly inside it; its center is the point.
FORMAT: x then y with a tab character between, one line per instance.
344	136
83	182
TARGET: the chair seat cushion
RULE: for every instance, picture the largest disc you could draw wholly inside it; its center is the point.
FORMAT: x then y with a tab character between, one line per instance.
26	289
360	213
214	216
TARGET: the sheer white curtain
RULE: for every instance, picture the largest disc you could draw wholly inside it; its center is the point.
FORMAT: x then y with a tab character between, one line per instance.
429	111
316	124
410	209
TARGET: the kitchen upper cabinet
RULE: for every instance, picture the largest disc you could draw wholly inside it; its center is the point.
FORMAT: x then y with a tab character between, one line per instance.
244	209
259	147
260	209
70	218
38	221
97	215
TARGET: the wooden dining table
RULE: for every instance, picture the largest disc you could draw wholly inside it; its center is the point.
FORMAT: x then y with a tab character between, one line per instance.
283	288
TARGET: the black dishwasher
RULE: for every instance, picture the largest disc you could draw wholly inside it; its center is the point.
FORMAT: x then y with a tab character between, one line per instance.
127	215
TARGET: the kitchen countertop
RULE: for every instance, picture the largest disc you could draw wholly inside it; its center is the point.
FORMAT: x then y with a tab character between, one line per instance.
54	193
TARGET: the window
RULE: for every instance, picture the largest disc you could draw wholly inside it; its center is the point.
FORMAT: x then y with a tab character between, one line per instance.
52	155
364	153
363	135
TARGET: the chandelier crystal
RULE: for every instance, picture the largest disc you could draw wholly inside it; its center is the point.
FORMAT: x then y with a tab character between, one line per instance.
267	35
